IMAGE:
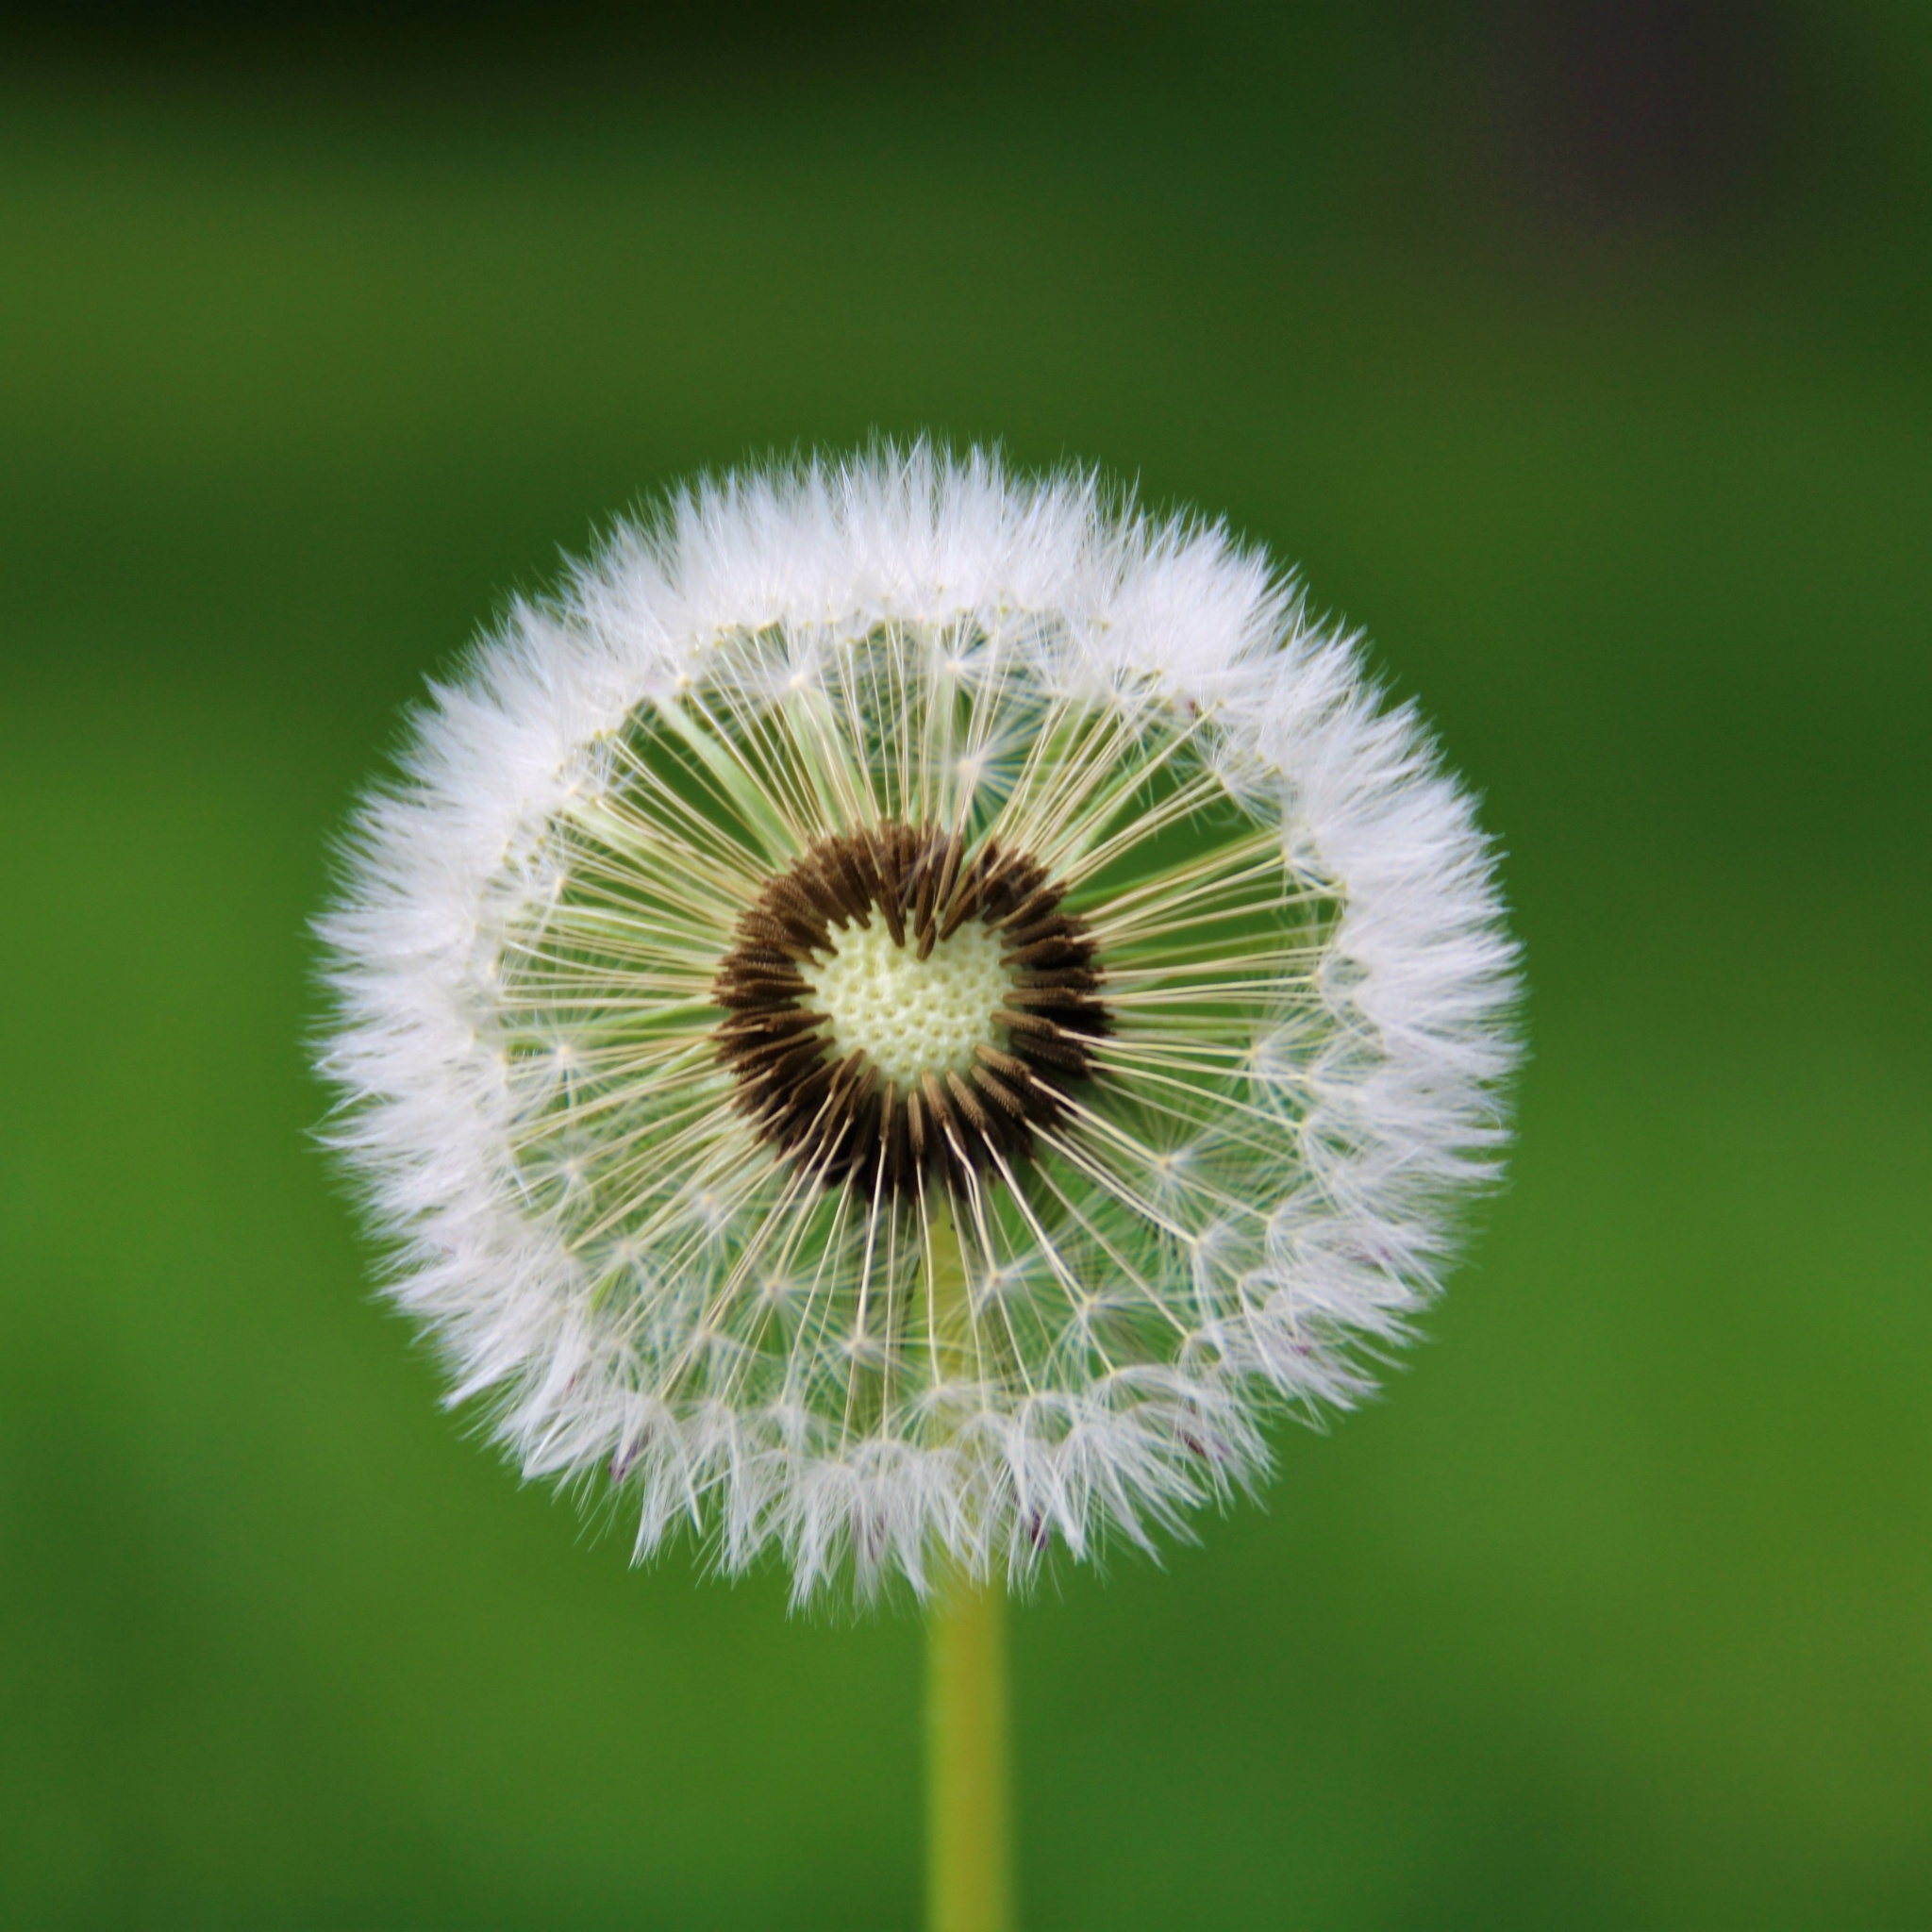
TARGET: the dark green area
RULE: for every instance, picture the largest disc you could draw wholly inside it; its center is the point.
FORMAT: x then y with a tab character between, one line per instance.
1618	1610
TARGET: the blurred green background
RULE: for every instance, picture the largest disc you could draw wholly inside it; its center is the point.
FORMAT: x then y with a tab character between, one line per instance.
1578	352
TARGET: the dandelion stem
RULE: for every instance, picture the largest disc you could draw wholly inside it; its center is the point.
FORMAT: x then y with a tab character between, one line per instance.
969	1825
968	1810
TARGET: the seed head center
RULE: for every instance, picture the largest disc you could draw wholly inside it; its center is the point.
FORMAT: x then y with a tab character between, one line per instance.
900	1006
908	1016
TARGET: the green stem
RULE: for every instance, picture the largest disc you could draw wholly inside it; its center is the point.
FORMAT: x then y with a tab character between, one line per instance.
969	1829
969	1832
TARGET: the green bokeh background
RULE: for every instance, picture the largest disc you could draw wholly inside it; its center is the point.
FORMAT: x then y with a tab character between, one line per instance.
1602	402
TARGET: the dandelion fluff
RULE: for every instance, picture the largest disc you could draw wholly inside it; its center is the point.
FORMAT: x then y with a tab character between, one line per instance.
907	1012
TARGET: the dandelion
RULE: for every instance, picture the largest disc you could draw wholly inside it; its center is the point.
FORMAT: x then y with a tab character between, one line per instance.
909	1012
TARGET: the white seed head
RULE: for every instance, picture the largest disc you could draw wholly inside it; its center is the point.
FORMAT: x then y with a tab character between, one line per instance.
909	1012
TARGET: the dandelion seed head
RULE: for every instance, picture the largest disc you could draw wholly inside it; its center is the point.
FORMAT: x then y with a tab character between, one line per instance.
911	1012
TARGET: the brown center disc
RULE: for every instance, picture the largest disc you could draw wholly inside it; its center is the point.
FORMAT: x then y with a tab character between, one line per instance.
841	1118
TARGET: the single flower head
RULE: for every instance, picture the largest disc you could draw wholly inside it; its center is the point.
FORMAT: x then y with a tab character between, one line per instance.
908	1011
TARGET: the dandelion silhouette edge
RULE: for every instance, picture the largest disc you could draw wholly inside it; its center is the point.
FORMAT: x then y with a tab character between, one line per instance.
907	1012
